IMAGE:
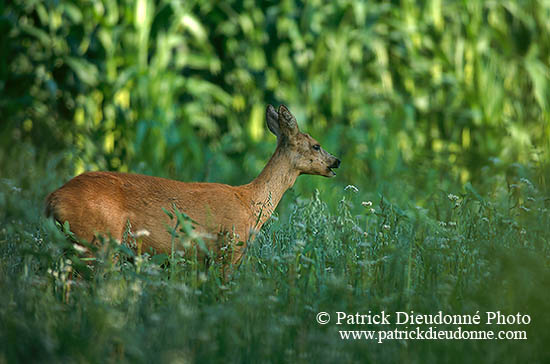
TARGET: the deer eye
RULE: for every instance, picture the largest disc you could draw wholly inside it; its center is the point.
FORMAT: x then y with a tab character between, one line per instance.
316	147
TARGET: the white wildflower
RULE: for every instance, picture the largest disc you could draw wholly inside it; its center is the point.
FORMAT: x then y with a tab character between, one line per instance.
79	248
142	232
526	181
352	188
452	197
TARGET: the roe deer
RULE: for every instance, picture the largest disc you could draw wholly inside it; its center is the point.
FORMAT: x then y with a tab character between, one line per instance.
107	203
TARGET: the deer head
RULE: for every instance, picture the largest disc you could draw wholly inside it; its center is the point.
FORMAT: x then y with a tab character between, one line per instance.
304	152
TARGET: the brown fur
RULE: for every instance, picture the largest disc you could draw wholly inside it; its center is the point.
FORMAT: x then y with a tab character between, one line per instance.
107	202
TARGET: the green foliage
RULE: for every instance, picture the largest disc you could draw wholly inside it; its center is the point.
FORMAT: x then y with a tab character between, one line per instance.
479	248
179	88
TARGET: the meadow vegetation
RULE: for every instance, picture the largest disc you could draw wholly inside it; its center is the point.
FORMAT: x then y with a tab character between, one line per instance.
438	110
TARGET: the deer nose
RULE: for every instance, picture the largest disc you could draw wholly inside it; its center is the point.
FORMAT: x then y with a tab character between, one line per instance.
336	163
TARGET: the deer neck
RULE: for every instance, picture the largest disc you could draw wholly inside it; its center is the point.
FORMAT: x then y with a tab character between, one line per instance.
268	188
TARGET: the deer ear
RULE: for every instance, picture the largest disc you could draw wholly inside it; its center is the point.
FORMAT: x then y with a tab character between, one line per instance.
272	120
287	121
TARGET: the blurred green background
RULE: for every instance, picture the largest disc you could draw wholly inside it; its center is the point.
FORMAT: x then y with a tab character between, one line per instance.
433	89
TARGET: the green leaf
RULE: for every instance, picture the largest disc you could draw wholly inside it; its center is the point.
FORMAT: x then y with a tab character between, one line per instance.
86	71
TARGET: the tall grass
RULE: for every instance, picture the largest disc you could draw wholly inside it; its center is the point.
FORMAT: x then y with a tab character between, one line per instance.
465	252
